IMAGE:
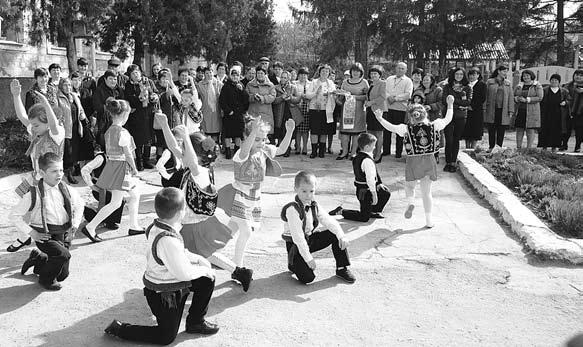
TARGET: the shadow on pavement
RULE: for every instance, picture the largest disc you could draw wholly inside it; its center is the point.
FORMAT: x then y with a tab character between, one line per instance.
13	298
280	286
89	331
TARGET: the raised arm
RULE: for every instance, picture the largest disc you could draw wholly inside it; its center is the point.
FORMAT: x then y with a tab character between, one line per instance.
189	157
16	89
248	142
51	117
386	124
290	125
441	123
171	142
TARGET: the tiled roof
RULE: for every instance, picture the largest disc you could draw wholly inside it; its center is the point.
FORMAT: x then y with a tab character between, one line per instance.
483	51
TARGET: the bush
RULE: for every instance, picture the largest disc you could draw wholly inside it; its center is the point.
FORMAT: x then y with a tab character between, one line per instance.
550	184
13	145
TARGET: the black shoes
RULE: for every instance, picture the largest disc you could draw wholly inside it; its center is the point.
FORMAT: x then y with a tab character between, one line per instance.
314	153
243	275
30	262
54	286
113	328
93	239
112	226
336	211
12	248
286	154
204	328
148	165
346	275
133	232
376	215
398	156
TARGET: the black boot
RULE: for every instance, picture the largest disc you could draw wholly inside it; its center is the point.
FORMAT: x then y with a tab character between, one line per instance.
228	153
146	157
314	153
235	149
321	149
69	175
286	154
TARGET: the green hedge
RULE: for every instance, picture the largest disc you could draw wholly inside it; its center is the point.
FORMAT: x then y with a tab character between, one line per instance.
550	184
13	145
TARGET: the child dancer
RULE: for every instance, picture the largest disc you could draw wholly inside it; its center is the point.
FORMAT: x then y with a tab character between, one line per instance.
117	176
251	162
169	166
421	142
46	135
55	213
90	174
171	274
371	193
307	229
204	227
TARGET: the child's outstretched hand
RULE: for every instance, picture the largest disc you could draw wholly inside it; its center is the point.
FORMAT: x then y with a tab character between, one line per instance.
161	118
449	100
343	243
312	264
255	123
181	131
15	87
290	125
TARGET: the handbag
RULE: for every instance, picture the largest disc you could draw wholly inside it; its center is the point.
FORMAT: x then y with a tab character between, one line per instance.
296	114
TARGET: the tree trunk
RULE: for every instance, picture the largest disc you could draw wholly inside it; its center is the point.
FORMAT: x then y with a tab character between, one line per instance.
361	41
560	33
139	49
70	45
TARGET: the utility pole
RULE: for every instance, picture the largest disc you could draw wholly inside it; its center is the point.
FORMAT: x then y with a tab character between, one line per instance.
560	33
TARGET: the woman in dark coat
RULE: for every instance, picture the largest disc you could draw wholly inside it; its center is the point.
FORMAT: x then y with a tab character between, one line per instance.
554	108
234	102
475	121
142	95
168	97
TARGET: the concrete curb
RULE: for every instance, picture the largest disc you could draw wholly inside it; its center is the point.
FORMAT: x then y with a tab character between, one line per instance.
532	231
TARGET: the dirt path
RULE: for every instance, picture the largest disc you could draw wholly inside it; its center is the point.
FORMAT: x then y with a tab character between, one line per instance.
467	282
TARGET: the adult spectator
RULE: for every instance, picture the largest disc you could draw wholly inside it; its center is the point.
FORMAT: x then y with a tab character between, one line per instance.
376	99
168	95
303	119
249	76
399	91
285	95
353	121
457	86
275	76
199	74
221	75
108	89
55	72
264	63
234	102
417	77
527	95
113	65
432	100
41	85
575	89
209	90
142	95
554	111
73	115
155	70
261	95
475	121
499	105
87	88
185	81
322	103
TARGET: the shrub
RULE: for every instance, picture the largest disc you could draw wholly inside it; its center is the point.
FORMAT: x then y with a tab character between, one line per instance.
13	145
568	214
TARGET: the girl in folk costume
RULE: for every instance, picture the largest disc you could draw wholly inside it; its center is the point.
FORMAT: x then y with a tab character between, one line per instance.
170	167
303	118
209	89
119	171
73	115
322	102
421	142
204	227
46	135
253	161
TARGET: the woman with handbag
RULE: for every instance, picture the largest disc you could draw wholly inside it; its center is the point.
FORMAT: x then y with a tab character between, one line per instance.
353	120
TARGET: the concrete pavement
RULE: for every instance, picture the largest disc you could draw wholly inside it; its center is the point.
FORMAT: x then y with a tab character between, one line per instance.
465	282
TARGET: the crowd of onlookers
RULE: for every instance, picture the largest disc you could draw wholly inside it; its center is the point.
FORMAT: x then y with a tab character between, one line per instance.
322	104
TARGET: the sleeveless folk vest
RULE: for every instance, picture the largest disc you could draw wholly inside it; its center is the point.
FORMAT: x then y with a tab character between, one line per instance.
359	175
421	139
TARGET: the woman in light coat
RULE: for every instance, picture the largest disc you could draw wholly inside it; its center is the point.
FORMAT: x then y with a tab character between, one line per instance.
527	95
499	105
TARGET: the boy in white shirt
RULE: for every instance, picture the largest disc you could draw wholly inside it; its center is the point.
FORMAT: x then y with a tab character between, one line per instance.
308	229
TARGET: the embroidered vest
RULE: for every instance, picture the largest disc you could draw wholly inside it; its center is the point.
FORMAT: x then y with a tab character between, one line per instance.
421	139
301	209
198	200
40	191
157	277
359	175
251	170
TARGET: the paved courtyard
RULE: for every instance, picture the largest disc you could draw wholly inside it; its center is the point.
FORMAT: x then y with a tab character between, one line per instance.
466	282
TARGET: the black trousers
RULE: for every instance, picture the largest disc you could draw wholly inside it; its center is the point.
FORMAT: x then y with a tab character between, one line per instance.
115	216
364	196
453	134
578	137
496	130
168	308
53	262
395	117
316	241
